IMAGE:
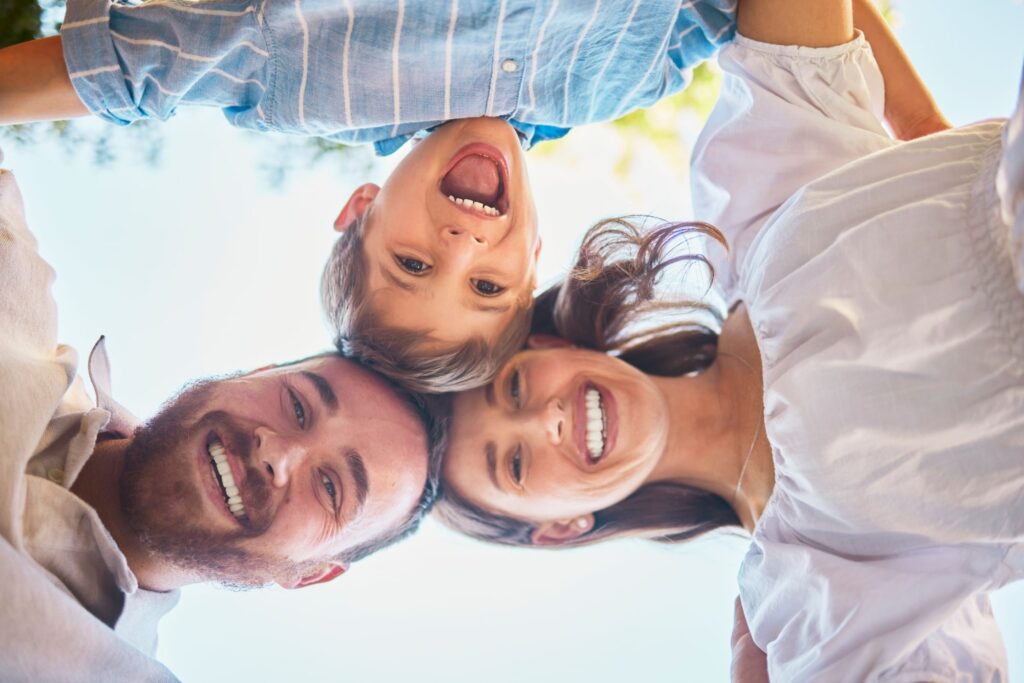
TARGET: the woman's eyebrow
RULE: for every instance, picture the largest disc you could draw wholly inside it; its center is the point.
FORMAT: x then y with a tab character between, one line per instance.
323	388
492	463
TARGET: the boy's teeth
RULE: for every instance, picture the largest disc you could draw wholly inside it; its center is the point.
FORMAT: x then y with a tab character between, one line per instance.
224	477
595	423
470	204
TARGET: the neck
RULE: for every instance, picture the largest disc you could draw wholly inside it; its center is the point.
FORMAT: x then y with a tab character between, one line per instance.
718	442
99	485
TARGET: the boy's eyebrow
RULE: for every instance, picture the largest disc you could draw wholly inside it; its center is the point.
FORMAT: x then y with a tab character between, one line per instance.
323	388
489	394
393	279
488	308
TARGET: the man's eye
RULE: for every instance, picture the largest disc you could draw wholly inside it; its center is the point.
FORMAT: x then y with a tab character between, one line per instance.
330	489
514	389
487	288
300	412
516	466
411	265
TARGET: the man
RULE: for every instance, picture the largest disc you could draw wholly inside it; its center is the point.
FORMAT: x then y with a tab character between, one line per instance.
286	474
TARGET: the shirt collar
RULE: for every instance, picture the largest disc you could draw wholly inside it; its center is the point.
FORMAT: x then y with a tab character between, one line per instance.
122	421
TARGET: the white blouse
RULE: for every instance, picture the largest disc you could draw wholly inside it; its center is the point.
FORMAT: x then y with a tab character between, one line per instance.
891	332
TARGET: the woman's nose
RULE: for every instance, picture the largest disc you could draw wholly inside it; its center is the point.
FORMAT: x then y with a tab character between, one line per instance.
554	421
278	457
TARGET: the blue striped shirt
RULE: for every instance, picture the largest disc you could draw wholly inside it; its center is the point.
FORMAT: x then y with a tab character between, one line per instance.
369	71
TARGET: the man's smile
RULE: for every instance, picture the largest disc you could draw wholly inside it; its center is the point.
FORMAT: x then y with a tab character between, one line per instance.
226	473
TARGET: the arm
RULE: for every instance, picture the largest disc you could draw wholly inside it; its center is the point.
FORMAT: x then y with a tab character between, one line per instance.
811	23
34	83
749	664
909	108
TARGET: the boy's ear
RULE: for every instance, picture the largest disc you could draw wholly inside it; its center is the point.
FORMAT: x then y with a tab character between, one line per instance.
326	572
562	531
356	206
546	341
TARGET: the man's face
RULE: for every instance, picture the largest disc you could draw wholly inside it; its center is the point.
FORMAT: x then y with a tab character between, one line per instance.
314	458
451	239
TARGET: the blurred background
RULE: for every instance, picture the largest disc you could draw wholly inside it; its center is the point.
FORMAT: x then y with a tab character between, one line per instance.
197	249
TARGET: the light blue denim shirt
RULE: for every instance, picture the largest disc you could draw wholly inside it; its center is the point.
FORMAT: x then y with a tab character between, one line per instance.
359	71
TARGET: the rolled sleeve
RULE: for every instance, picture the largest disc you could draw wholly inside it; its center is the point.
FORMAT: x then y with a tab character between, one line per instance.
129	62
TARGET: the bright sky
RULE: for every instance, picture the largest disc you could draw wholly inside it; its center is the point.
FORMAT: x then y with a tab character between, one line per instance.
197	267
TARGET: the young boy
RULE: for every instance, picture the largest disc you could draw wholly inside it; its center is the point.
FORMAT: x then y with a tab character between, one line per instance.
432	275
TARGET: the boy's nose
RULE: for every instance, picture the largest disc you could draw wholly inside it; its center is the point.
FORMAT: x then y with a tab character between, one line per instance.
472	236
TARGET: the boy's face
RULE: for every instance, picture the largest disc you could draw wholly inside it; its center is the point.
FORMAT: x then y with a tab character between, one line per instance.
450	241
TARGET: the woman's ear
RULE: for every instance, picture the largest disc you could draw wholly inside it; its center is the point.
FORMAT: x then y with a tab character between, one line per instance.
562	531
324	573
546	341
356	206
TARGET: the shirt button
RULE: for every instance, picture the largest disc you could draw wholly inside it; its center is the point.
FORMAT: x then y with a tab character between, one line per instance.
509	66
56	475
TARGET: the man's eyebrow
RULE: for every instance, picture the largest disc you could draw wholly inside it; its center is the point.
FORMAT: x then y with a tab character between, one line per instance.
395	280
492	463
323	388
357	467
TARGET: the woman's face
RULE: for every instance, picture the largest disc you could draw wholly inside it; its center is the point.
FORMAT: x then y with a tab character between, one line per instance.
560	432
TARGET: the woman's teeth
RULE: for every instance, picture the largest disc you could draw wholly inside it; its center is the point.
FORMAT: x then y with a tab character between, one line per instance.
595	423
227	482
470	204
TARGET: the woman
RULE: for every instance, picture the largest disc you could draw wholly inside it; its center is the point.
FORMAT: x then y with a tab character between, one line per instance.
860	411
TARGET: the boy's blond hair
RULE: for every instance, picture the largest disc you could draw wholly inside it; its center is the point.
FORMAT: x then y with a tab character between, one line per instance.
410	357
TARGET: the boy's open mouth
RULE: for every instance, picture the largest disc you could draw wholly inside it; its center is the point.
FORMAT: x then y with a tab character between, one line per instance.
476	181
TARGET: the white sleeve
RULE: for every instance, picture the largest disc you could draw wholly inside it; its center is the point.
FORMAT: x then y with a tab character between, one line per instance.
786	116
968	646
900	619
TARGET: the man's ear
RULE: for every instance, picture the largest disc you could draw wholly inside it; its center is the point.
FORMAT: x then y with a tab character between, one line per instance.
356	206
326	572
562	531
546	341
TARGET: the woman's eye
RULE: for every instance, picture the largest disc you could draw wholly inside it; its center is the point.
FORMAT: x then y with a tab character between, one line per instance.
514	389
411	265
331	491
487	288
300	412
516	465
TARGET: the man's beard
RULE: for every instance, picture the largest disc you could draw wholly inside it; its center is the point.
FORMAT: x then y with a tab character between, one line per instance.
163	504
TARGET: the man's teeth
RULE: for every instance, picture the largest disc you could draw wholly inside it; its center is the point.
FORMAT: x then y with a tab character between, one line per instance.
595	423
470	204
226	480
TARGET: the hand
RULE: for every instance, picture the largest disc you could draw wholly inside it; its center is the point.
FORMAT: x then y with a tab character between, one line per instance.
749	664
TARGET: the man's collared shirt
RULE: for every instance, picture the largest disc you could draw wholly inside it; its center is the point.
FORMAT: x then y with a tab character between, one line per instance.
365	71
73	609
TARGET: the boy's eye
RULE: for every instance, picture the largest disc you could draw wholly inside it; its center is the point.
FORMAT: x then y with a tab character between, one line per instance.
411	265
514	389
300	412
487	288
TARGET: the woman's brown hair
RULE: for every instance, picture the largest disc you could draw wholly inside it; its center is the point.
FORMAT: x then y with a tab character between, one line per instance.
618	299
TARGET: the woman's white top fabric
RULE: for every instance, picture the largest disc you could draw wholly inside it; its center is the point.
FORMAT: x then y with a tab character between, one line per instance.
891	332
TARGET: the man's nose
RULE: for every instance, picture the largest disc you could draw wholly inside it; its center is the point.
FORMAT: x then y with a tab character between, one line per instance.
278	457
